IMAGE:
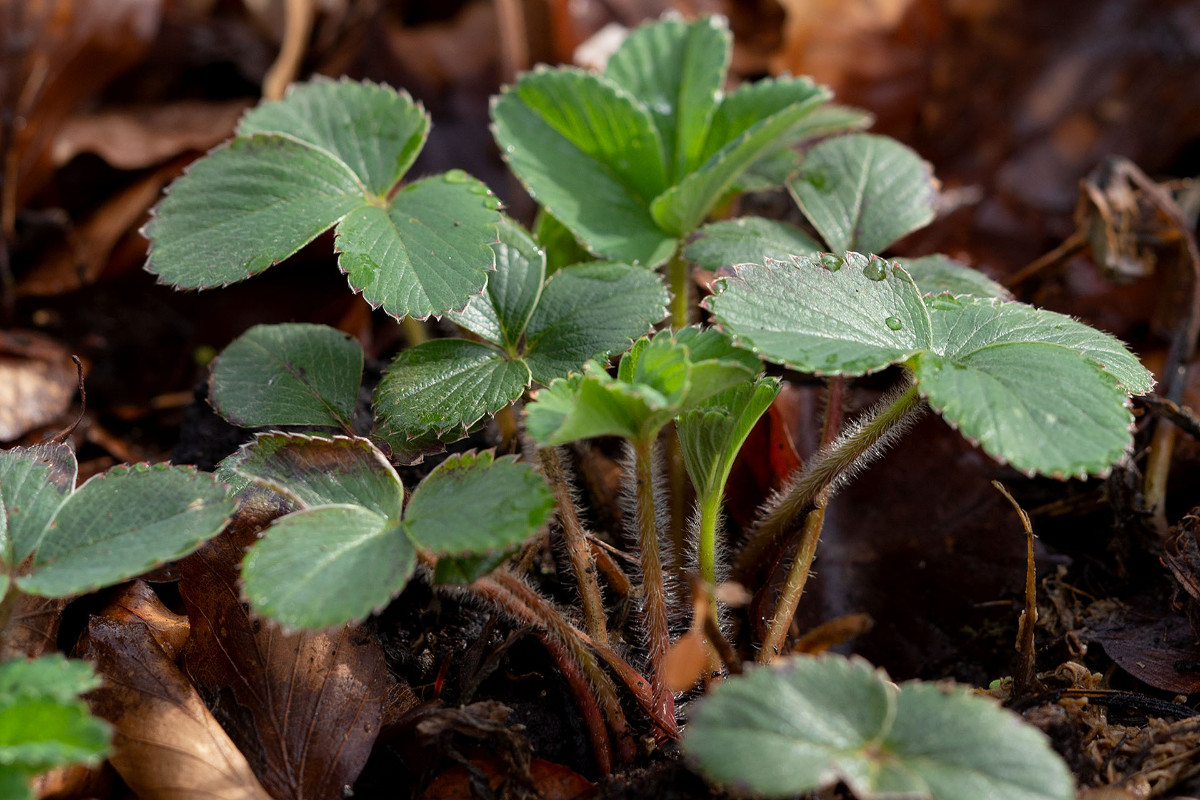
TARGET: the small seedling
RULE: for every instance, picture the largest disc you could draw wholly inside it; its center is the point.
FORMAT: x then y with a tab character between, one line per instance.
351	545
815	721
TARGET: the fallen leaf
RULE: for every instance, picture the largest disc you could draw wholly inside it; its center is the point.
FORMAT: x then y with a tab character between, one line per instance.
37	381
137	602
166	745
32	629
305	707
551	781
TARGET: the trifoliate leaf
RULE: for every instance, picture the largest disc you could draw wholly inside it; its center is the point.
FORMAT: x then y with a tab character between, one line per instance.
123	523
317	471
816	721
327	566
748	240
289	374
863	192
828	315
474	503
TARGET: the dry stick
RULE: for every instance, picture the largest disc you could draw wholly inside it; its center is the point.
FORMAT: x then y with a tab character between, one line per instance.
824	470
514	49
658	636
1071	245
576	644
1023	677
297	27
577	546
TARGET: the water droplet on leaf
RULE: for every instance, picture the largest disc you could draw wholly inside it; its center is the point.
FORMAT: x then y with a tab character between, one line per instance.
876	268
894	323
831	262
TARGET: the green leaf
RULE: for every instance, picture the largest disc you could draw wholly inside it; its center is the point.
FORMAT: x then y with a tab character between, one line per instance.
748	240
591	155
943	275
290	374
591	311
711	435
863	192
501	313
446	384
589	404
963	326
427	252
675	70
124	522
775	167
51	676
474	503
327	566
34	483
373	129
775	107
468	569
14	783
317	471
815	721
561	246
244	207
821	320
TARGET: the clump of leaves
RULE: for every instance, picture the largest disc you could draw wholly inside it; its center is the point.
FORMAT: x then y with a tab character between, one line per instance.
779	732
43	721
351	544
57	541
330	153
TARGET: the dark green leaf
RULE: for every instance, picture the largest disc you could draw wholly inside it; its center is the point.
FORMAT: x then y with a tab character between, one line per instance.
501	313
863	192
34	483
290	374
561	246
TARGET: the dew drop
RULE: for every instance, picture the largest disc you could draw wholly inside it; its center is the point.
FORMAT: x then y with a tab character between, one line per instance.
894	323
876	268
831	262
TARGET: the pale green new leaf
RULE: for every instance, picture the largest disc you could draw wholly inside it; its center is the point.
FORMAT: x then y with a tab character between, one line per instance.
711	435
943	275
776	107
327	566
373	129
501	313
318	471
246	206
775	167
474	503
815	721
39	733
591	311
748	240
591	155
963	326
590	404
289	374
51	676
675	69
446	384
34	483
123	523
863	192
427	252
821	320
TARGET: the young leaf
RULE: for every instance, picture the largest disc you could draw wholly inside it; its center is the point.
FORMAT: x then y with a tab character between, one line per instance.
773	169
855	316
501	313
863	192
588	152
34	483
590	311
315	471
711	435
815	721
560	245
371	128
943	275
676	70
289	374
123	523
427	252
775	107
327	565
474	503
748	240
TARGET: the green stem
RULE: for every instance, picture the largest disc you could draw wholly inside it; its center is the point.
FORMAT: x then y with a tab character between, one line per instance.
824	470
679	278
414	331
710	511
653	593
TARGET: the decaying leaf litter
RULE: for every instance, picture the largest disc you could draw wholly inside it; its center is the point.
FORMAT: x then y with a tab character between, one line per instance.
1009	146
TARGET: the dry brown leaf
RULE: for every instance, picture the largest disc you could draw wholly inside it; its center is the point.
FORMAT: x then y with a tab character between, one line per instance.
166	745
37	381
135	138
305	707
137	602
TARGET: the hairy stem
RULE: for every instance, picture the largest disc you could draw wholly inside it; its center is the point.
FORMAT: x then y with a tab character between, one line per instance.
706	554
577	545
679	279
678	493
823	471
793	586
657	635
